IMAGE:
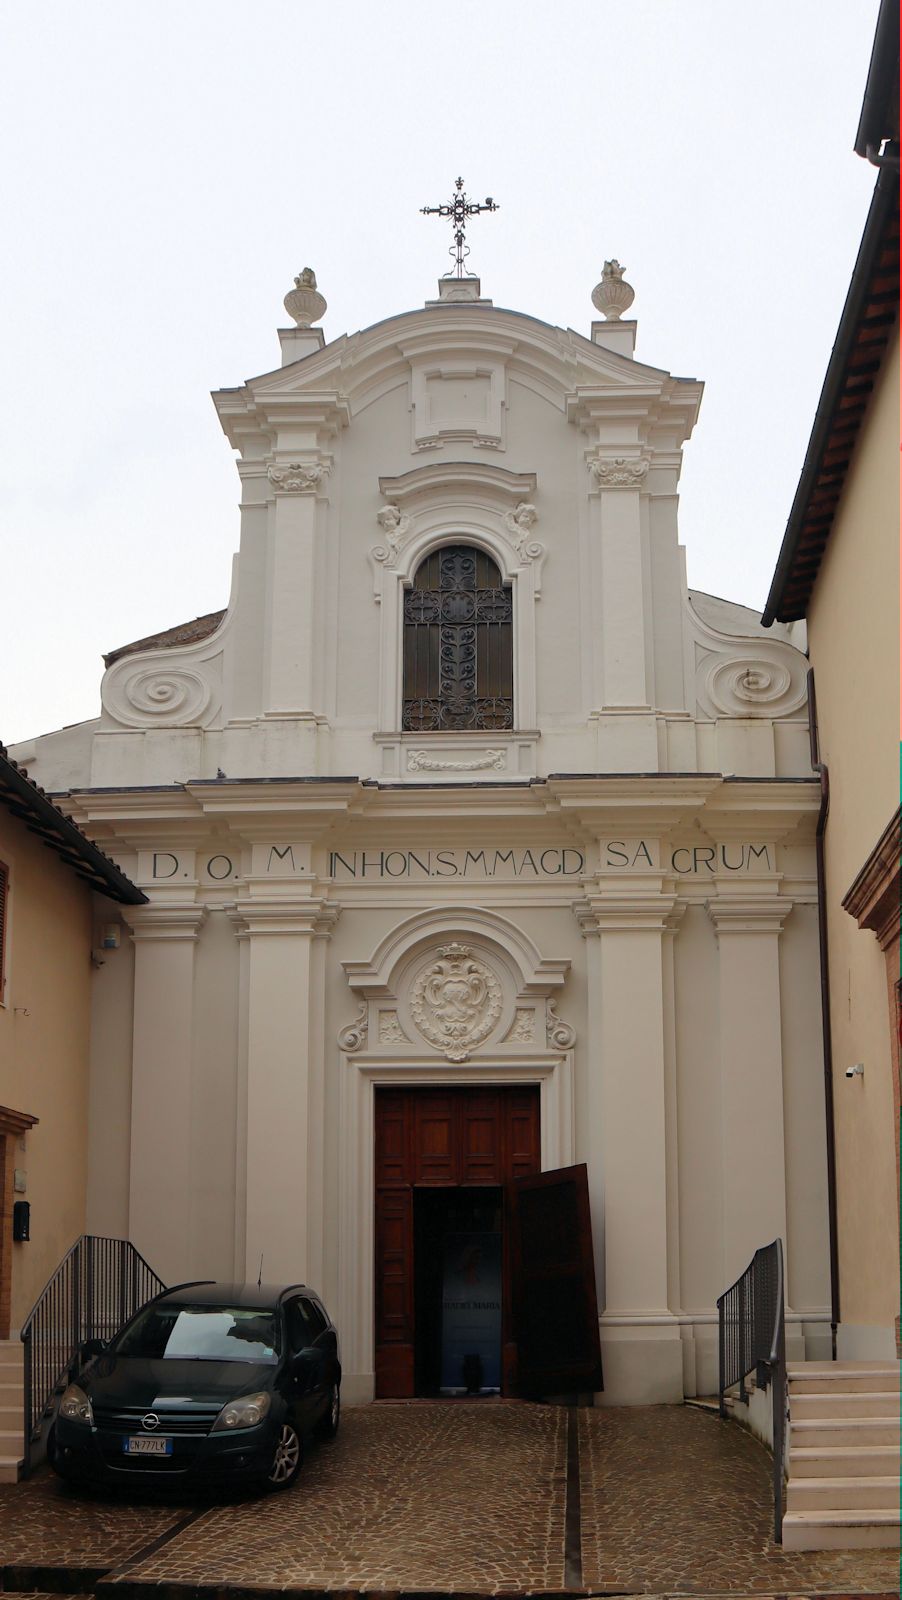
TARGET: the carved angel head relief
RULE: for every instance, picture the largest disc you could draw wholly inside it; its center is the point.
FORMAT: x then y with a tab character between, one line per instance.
455	1001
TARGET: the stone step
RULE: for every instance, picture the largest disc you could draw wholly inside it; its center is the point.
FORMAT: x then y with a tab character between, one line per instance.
837	1432
842	1494
11	1416
11	1440
10	1467
813	1377
876	1461
869	1529
860	1403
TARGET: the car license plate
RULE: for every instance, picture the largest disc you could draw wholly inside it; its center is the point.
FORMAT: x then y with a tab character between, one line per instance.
139	1446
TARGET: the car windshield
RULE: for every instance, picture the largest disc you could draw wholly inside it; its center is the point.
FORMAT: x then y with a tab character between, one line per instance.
201	1333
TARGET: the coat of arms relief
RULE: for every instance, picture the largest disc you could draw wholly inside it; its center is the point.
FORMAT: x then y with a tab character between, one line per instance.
455	1001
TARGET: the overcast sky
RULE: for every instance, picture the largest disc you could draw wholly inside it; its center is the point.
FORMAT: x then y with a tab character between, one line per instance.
170	167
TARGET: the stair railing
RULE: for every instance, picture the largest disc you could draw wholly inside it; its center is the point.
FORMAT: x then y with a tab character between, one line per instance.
97	1286
752	1338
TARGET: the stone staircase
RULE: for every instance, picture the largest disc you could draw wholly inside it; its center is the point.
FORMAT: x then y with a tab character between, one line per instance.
12	1382
843	1455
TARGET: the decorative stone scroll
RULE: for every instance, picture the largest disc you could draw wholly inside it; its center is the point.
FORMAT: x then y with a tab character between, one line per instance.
298	477
353	1036
749	685
142	695
395	525
455	1001
519	524
741	675
559	1033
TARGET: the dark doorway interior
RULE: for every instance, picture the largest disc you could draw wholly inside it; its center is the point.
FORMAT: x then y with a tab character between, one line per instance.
458	1276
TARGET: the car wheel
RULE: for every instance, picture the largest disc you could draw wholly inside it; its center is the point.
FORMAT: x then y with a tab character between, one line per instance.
286	1463
327	1427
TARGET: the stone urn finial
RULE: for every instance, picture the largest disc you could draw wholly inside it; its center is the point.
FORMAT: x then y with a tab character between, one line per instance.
304	302
613	295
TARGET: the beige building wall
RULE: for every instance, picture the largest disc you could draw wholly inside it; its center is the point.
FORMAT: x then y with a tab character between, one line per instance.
853	623
44	1047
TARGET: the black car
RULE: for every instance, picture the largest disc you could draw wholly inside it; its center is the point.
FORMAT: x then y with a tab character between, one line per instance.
207	1382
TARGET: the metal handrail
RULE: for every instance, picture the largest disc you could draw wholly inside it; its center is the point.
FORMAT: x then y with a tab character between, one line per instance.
752	1337
97	1286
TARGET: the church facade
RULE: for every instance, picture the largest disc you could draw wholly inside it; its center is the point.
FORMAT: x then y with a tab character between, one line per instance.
474	843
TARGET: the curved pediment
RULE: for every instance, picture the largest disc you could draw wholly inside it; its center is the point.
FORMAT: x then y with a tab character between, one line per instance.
453	343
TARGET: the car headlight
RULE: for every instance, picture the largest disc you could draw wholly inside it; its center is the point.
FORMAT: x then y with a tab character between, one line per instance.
245	1412
76	1407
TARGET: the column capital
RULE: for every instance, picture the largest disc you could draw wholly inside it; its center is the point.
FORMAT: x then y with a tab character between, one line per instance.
306	476
312	917
747	913
167	920
611	471
629	912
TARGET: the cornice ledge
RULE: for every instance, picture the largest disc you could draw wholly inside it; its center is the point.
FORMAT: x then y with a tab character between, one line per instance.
616	912
165	921
438	477
314	917
873	898
749	913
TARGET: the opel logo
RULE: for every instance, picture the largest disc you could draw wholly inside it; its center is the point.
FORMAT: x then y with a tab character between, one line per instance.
151	1421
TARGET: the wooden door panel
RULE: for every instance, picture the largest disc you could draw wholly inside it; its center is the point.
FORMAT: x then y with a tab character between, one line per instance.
394	1300
435	1155
522	1152
392	1153
555	1312
394	1292
481	1142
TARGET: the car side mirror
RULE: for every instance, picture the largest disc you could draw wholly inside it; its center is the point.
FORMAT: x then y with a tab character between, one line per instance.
304	1363
90	1349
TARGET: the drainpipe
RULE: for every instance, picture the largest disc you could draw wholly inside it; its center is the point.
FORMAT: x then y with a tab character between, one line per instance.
823	813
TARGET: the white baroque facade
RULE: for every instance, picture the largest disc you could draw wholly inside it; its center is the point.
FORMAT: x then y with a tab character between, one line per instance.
608	894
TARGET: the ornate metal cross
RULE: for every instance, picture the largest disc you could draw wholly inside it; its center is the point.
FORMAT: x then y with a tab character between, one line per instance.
459	210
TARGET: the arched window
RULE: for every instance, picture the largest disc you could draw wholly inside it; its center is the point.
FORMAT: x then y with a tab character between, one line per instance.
458	644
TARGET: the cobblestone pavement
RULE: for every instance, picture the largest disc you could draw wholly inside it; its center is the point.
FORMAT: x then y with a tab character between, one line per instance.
44	1524
465	1496
676	1500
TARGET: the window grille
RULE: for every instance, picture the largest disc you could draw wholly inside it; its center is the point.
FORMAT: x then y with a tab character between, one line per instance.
458	645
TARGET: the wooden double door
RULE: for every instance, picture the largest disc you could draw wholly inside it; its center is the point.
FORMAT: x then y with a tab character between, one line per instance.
453	1164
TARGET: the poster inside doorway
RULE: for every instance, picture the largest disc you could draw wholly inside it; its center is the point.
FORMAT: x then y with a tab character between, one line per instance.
471	1313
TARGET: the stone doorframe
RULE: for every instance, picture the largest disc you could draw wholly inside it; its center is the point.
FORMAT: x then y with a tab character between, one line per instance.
528	1044
12	1126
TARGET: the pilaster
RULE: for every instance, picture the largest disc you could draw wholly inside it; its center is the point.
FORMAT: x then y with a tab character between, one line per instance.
629	1069
621	673
297	486
748	928
165	936
283	1114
